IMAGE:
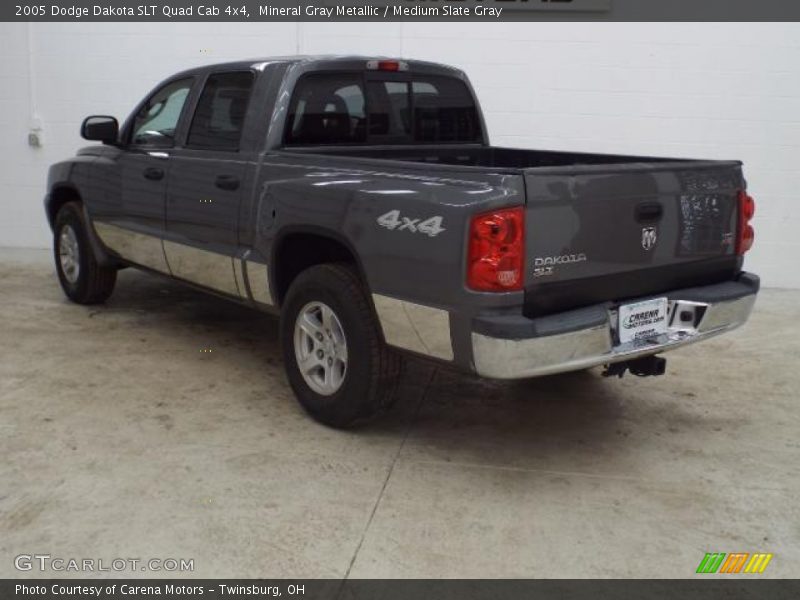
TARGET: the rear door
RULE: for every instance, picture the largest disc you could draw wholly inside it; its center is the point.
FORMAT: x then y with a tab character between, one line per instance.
205	185
607	233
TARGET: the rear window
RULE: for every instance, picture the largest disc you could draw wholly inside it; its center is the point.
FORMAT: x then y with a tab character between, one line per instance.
347	108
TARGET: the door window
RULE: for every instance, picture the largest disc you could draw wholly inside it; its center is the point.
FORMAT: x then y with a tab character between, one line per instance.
219	118
156	122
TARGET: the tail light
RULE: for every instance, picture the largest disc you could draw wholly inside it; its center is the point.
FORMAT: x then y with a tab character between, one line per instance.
497	251
746	233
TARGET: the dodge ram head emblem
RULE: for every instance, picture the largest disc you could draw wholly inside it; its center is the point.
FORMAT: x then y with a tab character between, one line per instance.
649	238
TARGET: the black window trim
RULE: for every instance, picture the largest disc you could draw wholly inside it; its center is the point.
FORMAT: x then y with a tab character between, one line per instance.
196	104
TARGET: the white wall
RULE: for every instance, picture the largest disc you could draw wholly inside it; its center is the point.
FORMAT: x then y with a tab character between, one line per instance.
695	90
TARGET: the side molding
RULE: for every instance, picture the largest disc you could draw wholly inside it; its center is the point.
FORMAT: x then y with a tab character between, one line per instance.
415	327
238	275
143	249
256	274
201	267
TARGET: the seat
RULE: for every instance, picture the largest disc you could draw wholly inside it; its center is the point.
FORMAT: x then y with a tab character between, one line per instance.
326	120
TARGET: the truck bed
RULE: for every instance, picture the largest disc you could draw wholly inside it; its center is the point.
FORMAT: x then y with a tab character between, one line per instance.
600	228
490	157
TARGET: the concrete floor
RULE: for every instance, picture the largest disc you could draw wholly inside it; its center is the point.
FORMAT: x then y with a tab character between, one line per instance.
119	437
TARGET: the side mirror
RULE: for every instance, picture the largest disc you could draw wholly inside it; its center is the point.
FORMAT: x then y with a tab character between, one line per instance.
100	128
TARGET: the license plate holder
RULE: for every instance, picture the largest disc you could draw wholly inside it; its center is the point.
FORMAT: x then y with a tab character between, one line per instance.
642	321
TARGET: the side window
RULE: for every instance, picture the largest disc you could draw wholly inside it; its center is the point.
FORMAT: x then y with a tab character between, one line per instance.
327	109
157	120
219	118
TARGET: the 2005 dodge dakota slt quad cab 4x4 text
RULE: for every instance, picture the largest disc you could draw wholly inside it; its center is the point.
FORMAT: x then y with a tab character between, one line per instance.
359	198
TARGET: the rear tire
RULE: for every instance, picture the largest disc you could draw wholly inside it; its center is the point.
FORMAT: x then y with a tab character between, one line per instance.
83	280
348	374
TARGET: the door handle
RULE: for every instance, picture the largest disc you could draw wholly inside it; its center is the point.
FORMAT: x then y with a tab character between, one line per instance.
649	211
153	173
227	182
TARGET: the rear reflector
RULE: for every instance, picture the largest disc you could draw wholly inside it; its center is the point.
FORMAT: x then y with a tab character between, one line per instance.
746	233
387	65
496	251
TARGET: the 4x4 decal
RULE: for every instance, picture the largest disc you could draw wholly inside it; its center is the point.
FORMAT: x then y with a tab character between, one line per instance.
394	222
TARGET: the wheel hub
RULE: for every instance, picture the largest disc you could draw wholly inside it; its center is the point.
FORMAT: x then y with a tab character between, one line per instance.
69	254
320	348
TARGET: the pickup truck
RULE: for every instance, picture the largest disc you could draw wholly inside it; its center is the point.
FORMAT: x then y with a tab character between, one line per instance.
359	199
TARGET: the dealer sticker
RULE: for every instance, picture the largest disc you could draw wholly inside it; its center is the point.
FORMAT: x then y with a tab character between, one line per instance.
642	320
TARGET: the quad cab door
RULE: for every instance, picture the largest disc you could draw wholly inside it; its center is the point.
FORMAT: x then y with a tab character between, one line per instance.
206	179
130	220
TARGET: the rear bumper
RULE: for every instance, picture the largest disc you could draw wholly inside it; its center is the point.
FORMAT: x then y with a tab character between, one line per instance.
514	347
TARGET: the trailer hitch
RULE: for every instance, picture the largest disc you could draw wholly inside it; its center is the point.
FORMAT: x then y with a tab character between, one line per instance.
647	366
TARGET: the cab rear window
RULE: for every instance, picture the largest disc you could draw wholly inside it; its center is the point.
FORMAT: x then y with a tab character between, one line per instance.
347	108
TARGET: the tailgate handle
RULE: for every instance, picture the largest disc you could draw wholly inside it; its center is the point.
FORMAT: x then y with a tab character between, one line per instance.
649	211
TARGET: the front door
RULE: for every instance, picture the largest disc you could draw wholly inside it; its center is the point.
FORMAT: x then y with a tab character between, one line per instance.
133	223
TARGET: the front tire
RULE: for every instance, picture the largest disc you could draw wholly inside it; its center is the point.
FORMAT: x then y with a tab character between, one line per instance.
336	360
83	280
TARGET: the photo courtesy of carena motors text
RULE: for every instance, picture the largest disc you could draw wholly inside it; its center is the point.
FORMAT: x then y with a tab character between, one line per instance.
397	299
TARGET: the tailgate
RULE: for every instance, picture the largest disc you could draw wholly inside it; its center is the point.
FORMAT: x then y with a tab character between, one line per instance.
607	233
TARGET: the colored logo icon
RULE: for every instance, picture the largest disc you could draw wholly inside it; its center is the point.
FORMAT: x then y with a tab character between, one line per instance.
735	562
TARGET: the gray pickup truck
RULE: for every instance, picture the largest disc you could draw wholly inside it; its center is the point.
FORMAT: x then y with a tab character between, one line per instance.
359	199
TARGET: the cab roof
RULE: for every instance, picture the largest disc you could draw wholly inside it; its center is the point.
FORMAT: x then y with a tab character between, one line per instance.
321	61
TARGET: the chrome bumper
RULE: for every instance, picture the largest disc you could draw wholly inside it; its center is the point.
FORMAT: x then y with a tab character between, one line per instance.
690	321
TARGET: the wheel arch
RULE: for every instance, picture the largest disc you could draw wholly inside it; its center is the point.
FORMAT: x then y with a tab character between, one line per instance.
62	193
297	248
59	195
